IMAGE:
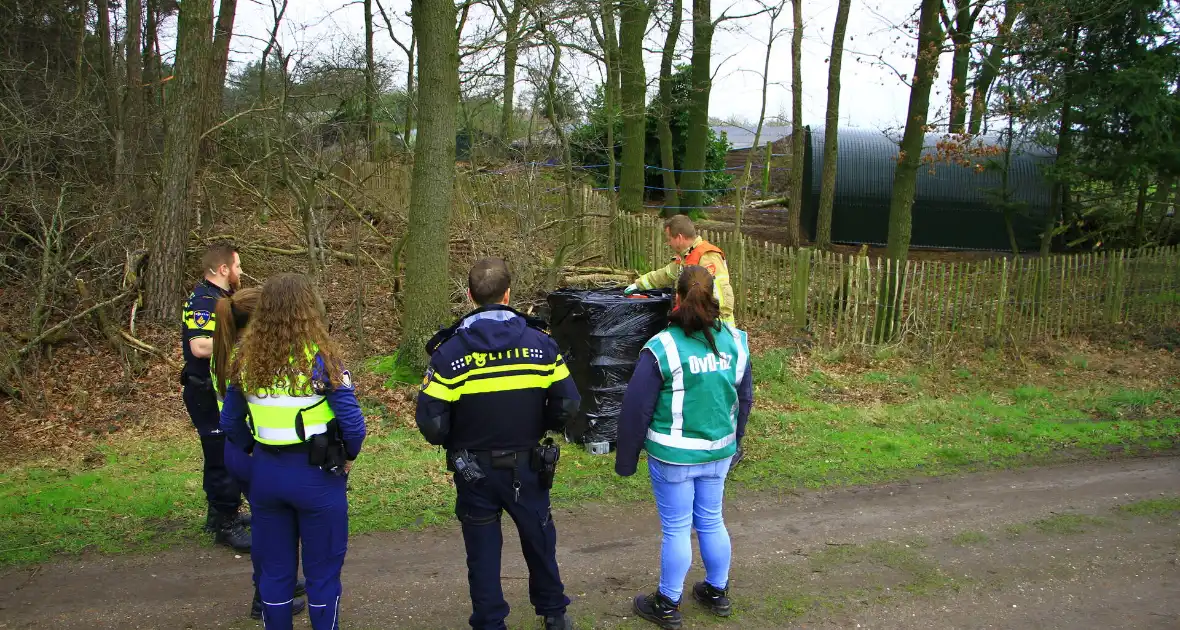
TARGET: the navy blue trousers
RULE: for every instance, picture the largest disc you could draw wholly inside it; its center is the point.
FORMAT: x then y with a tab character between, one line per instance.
221	490
478	507
238	463
295	504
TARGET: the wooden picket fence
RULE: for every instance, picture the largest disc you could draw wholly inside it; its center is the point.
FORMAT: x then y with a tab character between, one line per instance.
836	297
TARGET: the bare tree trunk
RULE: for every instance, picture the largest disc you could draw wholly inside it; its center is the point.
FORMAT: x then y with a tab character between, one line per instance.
511	52
697	143
633	16
110	82
569	231
411	96
1140	213
218	65
667	159
961	33
181	145
133	97
986	75
610	50
1159	201
1059	208
153	91
905	178
798	141
370	83
433	184
827	193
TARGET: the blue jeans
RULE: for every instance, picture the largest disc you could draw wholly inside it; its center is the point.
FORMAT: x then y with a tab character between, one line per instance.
691	497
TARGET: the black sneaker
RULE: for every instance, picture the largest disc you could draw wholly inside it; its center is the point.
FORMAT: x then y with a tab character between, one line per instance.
297	606
233	535
659	610
713	598
562	622
300	588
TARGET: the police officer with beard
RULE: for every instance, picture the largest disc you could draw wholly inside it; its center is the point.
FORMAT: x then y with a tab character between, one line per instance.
496	383
223	271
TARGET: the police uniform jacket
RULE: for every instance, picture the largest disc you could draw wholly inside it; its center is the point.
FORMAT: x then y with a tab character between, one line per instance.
198	320
496	381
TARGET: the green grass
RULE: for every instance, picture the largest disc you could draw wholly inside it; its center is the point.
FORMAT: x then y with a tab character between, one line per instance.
821	428
967	539
1065	524
1158	508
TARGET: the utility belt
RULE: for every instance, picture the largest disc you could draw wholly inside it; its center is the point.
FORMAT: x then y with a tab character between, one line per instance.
324	450
196	381
542	459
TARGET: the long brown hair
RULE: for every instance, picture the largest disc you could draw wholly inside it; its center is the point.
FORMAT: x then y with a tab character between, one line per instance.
289	320
698	310
231	314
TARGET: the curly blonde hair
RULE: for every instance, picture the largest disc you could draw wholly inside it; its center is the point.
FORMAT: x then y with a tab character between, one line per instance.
289	321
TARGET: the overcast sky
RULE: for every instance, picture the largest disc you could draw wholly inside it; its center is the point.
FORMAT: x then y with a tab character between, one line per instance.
872	95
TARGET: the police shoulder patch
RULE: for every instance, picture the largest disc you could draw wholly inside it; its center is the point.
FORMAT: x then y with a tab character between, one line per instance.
426	377
202	318
345	380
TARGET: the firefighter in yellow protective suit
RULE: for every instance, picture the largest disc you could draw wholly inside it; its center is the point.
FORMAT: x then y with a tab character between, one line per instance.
681	236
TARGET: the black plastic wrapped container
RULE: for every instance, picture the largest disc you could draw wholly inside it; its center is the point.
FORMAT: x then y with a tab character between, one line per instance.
601	334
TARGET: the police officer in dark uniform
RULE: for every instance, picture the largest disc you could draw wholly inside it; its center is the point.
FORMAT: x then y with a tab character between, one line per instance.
223	269
496	383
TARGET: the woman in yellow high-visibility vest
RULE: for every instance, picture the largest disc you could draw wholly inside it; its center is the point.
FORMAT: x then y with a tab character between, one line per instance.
233	312
287	386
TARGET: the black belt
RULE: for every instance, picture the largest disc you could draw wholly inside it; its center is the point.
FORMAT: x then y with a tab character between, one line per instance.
302	447
502	459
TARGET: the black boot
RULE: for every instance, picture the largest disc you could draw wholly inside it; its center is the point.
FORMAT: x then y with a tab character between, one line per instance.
244	518
659	610
712	598
561	622
231	533
297	606
737	457
212	520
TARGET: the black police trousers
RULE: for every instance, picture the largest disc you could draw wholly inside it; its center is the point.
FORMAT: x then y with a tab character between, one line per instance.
478	507
221	489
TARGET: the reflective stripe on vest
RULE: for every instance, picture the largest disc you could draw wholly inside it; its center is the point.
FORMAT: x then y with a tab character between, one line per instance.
695	420
277	418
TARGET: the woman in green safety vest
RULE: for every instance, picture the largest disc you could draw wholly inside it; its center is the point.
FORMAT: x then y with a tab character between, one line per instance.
233	312
687	405
291	402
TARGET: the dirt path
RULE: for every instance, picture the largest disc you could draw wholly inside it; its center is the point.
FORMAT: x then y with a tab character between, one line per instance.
1036	548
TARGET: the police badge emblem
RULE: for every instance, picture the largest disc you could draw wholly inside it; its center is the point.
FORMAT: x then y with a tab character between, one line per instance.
201	318
426	377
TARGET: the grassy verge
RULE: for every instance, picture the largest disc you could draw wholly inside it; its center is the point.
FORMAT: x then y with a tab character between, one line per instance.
814	425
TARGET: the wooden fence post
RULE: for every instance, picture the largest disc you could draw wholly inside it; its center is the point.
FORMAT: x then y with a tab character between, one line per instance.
999	329
799	283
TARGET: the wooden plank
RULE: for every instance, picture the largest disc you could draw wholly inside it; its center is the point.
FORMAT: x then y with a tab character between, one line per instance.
873	298
799	284
1061	306
1002	303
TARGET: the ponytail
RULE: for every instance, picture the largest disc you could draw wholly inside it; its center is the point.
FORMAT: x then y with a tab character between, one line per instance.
231	314
224	336
698	311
